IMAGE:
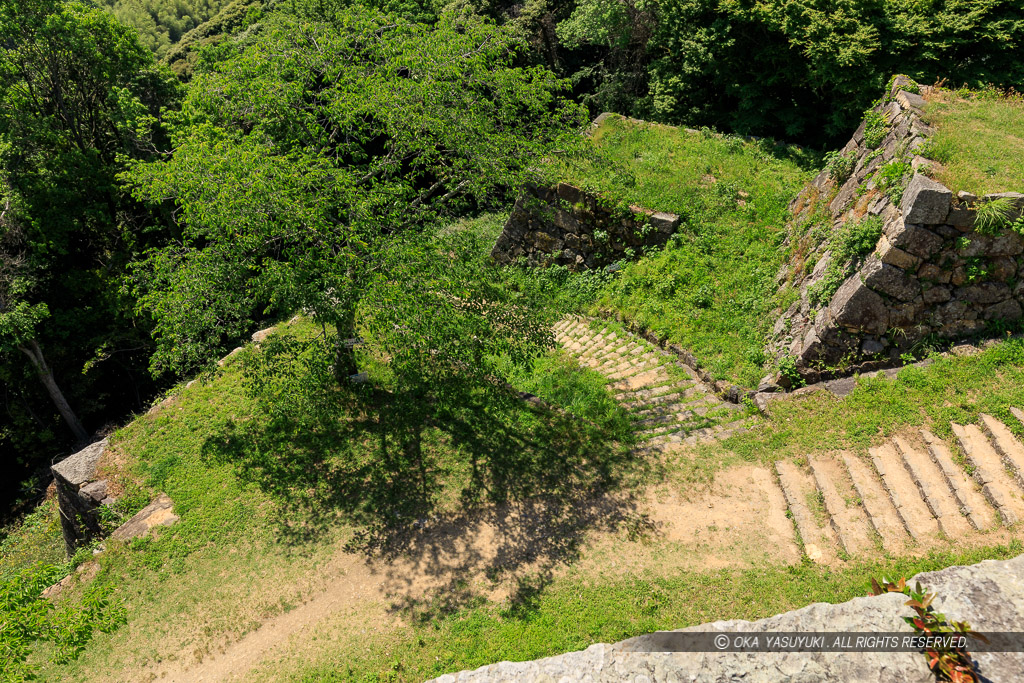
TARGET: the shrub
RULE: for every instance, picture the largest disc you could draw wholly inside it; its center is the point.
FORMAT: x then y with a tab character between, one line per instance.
892	178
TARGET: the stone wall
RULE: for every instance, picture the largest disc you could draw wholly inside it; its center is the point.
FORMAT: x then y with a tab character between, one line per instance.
931	274
566	226
79	495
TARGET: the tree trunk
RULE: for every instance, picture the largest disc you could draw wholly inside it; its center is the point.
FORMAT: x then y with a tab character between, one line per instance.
35	354
345	353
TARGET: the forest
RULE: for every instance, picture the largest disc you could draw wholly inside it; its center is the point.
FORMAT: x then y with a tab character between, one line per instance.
175	173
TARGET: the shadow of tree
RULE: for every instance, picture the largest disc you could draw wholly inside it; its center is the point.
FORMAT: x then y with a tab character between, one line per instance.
469	481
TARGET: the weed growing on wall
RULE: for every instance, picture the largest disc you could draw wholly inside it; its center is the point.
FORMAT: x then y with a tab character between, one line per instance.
840	166
876	127
993	216
848	246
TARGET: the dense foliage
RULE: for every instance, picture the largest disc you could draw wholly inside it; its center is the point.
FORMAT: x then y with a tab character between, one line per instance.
79	98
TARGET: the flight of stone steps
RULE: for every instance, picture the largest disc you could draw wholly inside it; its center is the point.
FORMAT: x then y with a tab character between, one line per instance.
911	492
667	402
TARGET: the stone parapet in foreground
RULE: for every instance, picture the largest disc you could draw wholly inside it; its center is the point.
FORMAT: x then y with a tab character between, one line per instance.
989	595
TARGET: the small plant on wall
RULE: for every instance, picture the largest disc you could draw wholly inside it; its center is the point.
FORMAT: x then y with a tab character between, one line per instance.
948	663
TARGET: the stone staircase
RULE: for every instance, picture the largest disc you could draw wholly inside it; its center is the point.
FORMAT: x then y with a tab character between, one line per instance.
909	493
668	403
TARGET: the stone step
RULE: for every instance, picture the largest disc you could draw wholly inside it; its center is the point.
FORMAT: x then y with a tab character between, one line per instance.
641	380
678	400
662	392
630	368
996	484
933	489
698	404
818	540
848	520
1006	445
965	490
903	493
1017	413
880	511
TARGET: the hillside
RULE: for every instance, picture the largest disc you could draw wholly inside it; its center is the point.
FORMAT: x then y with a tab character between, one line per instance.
340	340
408	545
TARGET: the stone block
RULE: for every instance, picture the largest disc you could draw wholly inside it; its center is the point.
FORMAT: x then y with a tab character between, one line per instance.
910	100
984	293
855	306
94	492
1007	244
870	347
977	245
937	295
925	201
664	222
1003	268
890	280
914	239
158	513
960	217
566	221
894	256
569	193
80	468
1006	310
932	273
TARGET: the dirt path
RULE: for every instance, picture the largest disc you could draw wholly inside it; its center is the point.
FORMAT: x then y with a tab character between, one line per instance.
739	521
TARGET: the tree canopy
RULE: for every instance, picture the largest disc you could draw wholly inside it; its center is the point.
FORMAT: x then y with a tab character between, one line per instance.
309	168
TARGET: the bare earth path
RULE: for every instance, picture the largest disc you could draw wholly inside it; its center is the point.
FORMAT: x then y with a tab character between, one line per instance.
905	497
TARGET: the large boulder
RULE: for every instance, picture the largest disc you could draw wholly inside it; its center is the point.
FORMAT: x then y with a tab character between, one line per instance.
925	201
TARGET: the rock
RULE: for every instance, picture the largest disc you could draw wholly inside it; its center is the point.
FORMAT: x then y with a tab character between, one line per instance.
910	100
933	273
893	255
1007	244
94	492
855	306
960	217
570	193
914	239
989	595
925	201
767	385
80	467
1008	310
664	222
890	280
1003	268
870	347
936	295
260	335
158	513
985	293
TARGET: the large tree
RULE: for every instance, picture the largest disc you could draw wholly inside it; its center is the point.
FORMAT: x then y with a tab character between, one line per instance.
79	96
309	167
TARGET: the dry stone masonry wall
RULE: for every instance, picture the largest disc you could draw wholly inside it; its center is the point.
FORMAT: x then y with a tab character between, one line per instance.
564	225
931	273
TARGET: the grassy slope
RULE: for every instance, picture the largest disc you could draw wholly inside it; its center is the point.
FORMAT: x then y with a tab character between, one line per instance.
231	563
712	289
980	142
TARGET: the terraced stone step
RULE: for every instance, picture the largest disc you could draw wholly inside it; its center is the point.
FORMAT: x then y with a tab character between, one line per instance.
848	519
879	509
666	400
933	489
1006	445
998	486
797	487
966	491
903	493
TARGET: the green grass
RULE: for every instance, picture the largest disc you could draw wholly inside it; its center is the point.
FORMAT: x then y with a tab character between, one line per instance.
579	611
979	141
953	389
712	288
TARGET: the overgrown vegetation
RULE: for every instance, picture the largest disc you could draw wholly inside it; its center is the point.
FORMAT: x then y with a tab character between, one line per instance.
847	247
710	289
